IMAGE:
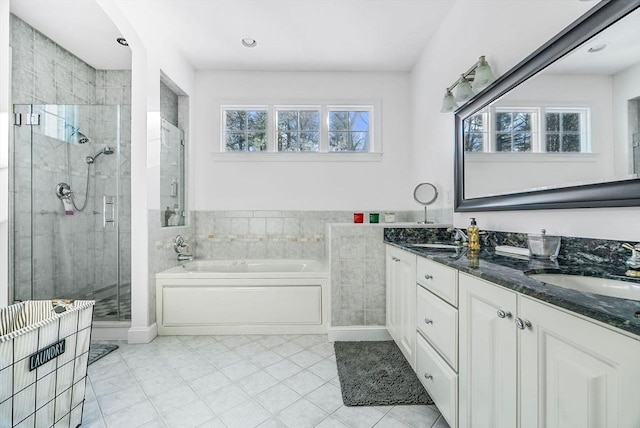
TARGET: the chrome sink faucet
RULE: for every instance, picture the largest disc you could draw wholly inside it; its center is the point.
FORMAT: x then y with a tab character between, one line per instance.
634	261
459	234
182	248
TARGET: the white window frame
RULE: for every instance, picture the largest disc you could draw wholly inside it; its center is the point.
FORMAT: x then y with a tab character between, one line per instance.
374	154
535	127
223	124
538	130
585	132
351	108
298	108
487	132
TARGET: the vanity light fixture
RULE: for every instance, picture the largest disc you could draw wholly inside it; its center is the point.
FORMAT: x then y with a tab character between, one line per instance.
463	89
122	41
478	77
448	102
248	42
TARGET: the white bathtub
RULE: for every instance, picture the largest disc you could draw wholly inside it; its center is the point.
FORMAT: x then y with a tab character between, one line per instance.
242	297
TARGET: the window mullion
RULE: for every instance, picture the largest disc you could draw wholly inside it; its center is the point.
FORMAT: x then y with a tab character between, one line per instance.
324	129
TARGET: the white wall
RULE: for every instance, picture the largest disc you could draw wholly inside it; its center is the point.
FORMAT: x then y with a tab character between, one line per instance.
498	30
626	86
486	173
300	185
149	56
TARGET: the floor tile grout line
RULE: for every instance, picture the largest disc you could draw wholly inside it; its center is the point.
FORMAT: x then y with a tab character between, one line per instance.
127	355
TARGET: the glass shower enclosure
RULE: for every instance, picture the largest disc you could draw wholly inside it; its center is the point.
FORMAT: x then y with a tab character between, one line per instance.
70	215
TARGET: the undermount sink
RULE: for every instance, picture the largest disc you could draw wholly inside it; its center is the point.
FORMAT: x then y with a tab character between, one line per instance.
591	284
437	246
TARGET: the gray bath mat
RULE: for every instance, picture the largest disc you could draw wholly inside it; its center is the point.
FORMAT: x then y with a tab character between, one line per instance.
377	374
99	350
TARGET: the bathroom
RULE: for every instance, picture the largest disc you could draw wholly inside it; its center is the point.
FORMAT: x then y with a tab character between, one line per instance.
262	208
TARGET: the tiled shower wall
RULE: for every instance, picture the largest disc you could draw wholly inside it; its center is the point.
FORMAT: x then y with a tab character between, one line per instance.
65	254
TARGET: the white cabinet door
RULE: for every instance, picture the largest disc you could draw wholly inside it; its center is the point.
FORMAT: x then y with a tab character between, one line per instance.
401	300
393	309
488	360
575	373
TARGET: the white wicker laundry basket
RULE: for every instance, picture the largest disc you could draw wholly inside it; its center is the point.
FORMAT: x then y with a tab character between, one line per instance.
44	350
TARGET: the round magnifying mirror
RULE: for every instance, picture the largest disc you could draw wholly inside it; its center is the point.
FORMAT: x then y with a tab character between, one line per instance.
425	194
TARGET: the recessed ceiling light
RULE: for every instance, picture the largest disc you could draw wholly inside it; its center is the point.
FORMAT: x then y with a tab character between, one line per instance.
597	48
122	41
248	42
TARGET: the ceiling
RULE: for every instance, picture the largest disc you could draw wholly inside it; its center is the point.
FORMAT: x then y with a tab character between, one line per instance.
297	35
622	50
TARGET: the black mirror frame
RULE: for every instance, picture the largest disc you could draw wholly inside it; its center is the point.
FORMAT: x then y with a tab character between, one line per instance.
622	193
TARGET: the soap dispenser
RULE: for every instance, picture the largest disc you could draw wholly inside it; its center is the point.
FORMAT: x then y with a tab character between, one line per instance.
473	234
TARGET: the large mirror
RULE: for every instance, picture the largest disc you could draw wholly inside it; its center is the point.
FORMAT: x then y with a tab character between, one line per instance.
561	129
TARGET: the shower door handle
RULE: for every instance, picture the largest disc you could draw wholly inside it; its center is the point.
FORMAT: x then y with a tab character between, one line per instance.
108	210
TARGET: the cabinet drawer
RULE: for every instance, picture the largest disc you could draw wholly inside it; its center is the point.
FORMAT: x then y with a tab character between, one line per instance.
438	379
438	321
439	279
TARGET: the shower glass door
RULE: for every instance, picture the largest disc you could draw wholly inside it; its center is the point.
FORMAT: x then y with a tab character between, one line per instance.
70	205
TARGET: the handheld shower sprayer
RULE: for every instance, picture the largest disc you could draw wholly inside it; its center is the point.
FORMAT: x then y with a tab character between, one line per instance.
106	150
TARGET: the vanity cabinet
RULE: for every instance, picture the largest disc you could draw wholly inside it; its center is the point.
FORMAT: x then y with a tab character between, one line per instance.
526	364
574	373
488	364
437	335
401	300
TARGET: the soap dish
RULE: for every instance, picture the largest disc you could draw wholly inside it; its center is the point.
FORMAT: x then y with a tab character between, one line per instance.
543	246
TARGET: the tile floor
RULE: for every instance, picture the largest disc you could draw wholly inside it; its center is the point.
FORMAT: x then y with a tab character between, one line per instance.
234	382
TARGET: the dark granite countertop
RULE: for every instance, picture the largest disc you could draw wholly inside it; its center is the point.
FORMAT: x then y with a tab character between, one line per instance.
511	273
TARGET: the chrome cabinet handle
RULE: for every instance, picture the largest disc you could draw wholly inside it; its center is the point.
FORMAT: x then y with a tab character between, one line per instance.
395	259
503	314
522	324
428	376
428	321
427	276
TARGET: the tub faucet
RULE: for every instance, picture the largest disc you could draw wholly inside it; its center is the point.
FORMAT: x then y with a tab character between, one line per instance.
459	234
182	248
184	257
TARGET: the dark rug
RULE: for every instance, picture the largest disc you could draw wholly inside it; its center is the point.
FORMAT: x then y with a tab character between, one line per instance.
99	350
377	374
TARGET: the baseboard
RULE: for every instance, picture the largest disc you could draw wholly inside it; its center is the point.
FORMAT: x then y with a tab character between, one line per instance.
358	333
142	334
109	330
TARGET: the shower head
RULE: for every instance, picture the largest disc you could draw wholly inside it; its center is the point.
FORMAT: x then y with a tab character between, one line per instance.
106	150
79	136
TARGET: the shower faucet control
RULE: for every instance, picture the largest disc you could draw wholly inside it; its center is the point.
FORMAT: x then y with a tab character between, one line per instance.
63	191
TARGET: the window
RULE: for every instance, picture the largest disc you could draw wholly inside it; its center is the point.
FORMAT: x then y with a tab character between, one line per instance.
245	130
298	130
529	129
348	131
514	131
475	133
565	131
